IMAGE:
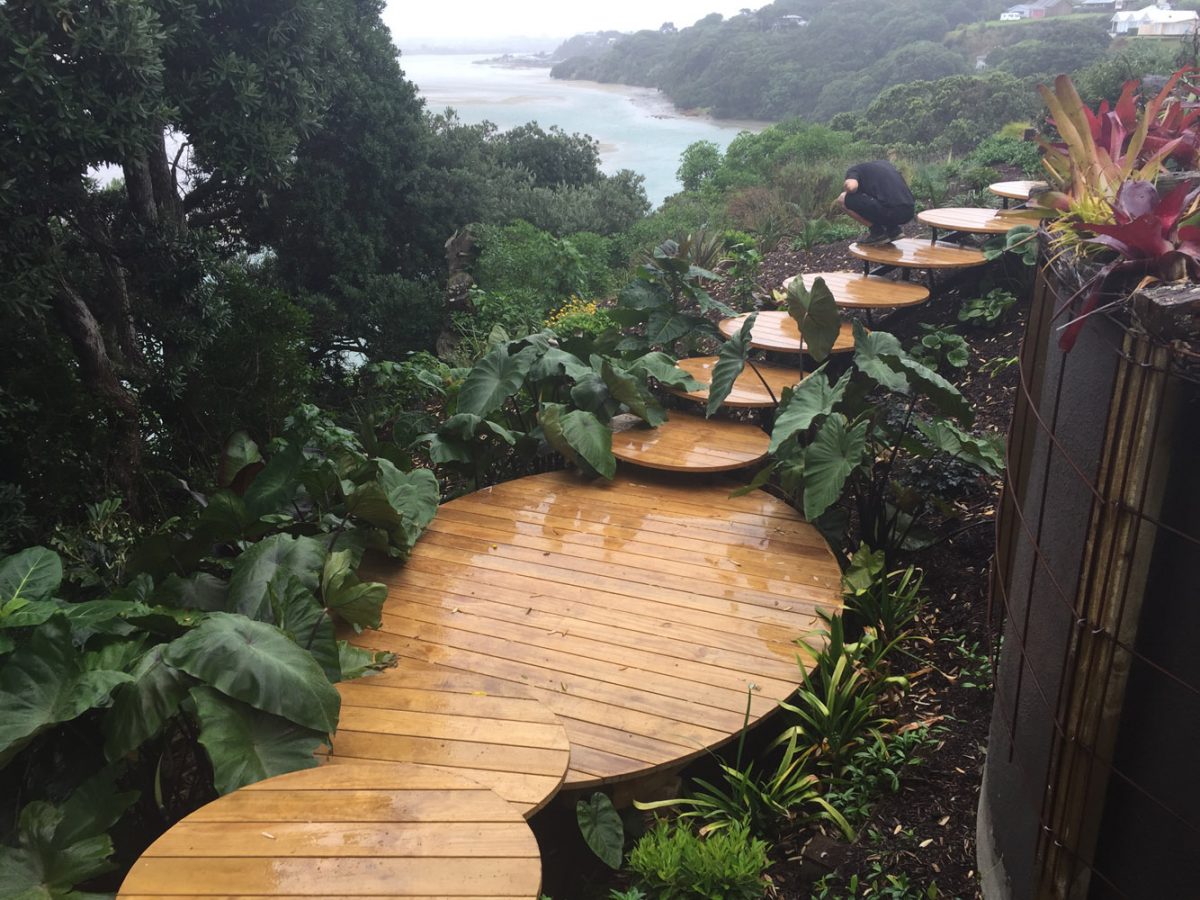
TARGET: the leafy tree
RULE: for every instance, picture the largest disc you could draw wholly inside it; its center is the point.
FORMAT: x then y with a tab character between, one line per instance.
698	163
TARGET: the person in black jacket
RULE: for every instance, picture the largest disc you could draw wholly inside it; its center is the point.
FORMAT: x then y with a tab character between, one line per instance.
877	196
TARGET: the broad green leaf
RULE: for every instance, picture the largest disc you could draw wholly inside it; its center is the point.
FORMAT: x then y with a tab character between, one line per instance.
662	368
945	396
224	519
254	569
357	662
812	399
303	618
20	613
731	360
835	452
602	829
494	379
871	352
985	453
627	389
415	495
357	602
816	316
49	863
6	643
642	295
667	326
556	362
32	574
240	451
370	503
202	591
93	807
43	683
276	484
142	707
246	745
580	437
591	393
257	664
866	565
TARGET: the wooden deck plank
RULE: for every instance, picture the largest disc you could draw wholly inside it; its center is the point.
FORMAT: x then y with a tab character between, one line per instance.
776	330
915	253
970	219
748	391
347	831
524	582
853	290
689	443
1016	190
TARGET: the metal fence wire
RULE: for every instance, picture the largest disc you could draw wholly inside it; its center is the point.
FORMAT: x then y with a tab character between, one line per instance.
1091	785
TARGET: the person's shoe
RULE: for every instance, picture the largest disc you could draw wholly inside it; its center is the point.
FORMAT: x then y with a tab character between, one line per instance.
877	235
893	232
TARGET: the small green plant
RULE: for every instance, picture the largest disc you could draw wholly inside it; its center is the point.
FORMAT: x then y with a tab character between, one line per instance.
674	863
815	232
999	364
888	602
941	347
877	769
1020	240
974	664
633	893
989	309
876	883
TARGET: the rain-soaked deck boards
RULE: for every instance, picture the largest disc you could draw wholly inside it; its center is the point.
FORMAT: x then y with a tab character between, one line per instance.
398	831
918	253
689	443
495	733
760	385
776	330
853	290
642	612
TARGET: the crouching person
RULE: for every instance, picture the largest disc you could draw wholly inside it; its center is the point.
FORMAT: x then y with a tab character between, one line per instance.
877	196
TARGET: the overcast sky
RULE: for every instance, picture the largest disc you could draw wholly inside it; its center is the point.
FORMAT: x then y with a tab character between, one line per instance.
474	19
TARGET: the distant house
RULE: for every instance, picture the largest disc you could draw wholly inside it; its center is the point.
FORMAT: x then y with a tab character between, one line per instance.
1036	9
1153	21
789	22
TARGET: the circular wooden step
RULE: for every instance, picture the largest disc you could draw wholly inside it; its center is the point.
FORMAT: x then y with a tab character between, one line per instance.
776	330
346	831
917	253
854	290
748	389
498	735
970	219
1016	190
687	443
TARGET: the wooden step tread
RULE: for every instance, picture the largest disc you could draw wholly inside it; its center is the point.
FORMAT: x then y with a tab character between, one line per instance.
1016	190
511	744
971	219
917	253
748	389
776	330
689	443
854	290
346	831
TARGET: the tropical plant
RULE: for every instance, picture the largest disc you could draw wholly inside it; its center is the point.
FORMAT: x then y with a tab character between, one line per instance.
602	829
989	309
887	602
941	347
673	863
877	768
823	231
1020	240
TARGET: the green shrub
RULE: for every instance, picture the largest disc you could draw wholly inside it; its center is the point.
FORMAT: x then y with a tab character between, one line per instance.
1009	151
941	347
675	864
987	310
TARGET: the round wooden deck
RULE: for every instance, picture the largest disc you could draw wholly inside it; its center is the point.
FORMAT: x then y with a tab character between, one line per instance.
496	734
640	611
399	831
776	330
915	253
748	392
1016	190
854	290
689	443
968	219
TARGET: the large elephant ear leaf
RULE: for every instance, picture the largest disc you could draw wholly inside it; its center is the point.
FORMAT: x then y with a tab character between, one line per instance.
240	452
627	389
816	316
602	829
257	664
302	557
246	745
302	617
359	603
32	574
494	379
812	399
415	496
141	708
43	683
872	350
731	360
944	395
662	368
276	484
835	452
580	437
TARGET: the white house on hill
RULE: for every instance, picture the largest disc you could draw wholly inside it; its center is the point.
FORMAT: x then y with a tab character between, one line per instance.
1151	21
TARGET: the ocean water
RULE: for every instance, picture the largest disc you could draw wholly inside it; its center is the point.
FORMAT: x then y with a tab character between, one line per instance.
637	128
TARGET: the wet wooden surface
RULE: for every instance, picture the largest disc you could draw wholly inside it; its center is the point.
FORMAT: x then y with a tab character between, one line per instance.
969	219
400	831
1015	190
498	735
918	253
689	443
776	330
749	390
853	290
641	611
